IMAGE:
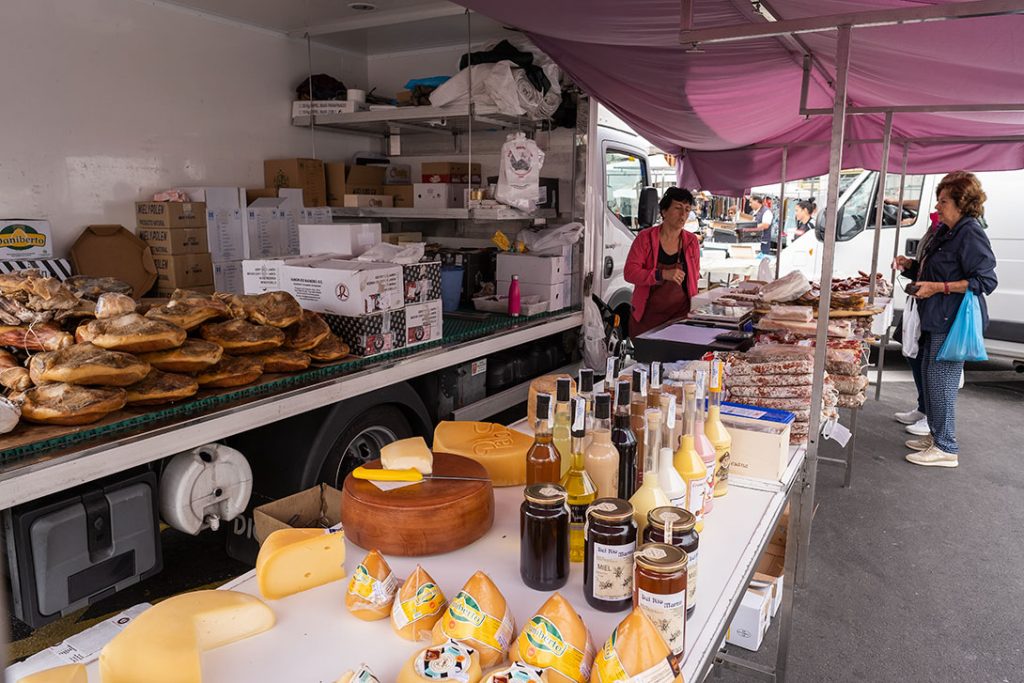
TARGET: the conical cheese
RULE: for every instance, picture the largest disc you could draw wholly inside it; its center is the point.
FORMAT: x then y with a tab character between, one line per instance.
517	673
556	640
294	560
70	673
447	661
635	651
480	618
417	606
363	675
372	588
502	451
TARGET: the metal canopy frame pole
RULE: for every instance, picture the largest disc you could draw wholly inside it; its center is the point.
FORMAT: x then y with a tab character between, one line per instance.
782	216
895	251
880	204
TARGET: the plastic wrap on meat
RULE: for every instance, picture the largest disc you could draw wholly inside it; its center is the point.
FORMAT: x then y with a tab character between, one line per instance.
849	384
851	400
789	287
836	328
741	366
759	380
761	391
802	314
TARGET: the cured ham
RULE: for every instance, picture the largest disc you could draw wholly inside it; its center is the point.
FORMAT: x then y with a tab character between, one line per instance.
188	313
161	387
307	333
13	375
69	404
195	355
329	350
87	364
114	305
37	337
241	337
283	360
131	332
231	371
277	309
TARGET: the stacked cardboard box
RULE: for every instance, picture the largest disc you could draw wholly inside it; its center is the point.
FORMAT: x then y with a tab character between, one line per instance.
177	235
549	277
763	597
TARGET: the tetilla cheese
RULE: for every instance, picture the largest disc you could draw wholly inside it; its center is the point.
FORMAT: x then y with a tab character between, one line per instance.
479	617
502	451
417	606
447	661
363	675
71	673
294	560
372	588
517	673
635	652
556	640
407	454
163	644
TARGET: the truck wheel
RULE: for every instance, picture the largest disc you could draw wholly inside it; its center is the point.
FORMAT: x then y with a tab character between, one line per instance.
361	442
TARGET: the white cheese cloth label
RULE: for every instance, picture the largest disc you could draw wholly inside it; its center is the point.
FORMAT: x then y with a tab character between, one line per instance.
667	613
659	673
613	571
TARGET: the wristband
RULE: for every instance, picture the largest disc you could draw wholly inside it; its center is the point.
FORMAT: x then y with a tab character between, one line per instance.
945	287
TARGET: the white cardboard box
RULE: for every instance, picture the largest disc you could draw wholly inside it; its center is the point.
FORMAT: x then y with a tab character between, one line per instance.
292	209
24	240
438	196
557	295
541	270
315	215
264	275
227	277
345	288
760	440
751	621
265	227
423	323
225	220
345	239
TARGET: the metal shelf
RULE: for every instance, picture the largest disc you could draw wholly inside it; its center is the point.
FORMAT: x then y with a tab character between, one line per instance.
499	214
448	120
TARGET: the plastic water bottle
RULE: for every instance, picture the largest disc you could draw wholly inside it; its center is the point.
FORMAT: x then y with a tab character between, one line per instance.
513	297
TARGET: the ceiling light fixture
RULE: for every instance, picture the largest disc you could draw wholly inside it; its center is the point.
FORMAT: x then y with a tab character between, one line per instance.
362	6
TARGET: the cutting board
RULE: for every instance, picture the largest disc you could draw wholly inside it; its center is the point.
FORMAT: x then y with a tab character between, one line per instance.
428	518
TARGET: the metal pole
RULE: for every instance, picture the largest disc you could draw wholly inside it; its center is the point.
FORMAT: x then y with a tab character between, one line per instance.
782	209
835	164
472	109
880	204
312	114
895	251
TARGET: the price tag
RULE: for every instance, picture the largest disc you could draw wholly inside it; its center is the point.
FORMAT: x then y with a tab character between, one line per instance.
643	383
656	374
609	370
701	378
579	420
716	375
670	420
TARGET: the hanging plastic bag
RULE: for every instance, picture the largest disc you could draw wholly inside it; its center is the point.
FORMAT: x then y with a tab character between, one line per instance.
519	172
965	340
911	329
595	349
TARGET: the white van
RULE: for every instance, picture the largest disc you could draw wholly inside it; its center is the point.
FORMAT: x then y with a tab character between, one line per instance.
855	241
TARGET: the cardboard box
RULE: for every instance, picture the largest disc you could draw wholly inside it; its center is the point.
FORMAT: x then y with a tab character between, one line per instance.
401	237
225	221
264	275
298	511
370	335
335	183
439	196
170	214
365	180
175	241
183	270
164	292
368	201
343	239
327	107
403	196
292	210
751	620
316	215
457	172
265	228
22	240
344	288
558	295
398	174
304	174
541	270
227	277
422	281
760	440
423	323
113	251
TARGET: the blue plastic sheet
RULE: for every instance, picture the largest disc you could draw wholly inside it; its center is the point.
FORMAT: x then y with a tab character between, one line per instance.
966	339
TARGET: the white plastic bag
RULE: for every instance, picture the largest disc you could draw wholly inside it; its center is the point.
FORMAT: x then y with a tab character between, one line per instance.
549	242
595	350
911	328
519	172
401	254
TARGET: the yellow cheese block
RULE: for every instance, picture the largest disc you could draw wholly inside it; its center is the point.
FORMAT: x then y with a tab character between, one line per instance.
363	675
517	672
372	588
407	454
545	385
71	673
449	660
417	606
163	644
502	451
480	618
635	651
556	640
294	560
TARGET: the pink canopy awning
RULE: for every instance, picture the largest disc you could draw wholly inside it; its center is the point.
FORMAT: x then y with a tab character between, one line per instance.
724	105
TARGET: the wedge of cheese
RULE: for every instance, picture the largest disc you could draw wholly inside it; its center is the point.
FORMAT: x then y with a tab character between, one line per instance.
450	660
517	672
635	651
502	451
407	454
372	588
71	673
556	640
294	560
163	644
480	618
362	675
417	606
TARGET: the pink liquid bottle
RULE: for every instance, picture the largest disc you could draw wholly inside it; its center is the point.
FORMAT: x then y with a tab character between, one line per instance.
513	297
702	444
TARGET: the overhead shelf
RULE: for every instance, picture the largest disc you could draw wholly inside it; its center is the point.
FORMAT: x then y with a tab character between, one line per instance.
504	213
452	119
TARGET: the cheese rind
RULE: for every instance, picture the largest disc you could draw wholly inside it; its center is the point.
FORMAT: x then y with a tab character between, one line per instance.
407	454
556	639
501	451
294	560
372	588
70	673
480	618
635	651
449	660
417	606
163	644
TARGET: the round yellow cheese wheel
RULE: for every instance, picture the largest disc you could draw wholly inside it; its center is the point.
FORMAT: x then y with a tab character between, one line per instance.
501	451
478	617
371	589
418	606
449	660
635	649
544	385
556	640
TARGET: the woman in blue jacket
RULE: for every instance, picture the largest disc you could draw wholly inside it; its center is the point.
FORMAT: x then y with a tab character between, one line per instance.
958	257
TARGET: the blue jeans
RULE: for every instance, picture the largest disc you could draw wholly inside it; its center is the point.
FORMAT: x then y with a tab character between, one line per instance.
941	383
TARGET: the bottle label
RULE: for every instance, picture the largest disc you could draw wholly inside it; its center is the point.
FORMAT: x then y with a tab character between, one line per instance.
670	419
427	602
579	419
448	662
716	375
691	578
722	471
656	374
613	571
677	502
709	485
541	644
667	613
695	498
466	620
610	669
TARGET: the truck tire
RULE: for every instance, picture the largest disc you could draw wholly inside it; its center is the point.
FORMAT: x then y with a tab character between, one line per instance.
361	442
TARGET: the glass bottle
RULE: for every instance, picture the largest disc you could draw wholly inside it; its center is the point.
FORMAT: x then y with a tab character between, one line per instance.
716	432
544	537
608	564
561	432
675	526
701	441
601	458
624	441
578	484
671	483
611	377
585	388
637	409
654	391
649	495
688	462
670	430
659	590
543	463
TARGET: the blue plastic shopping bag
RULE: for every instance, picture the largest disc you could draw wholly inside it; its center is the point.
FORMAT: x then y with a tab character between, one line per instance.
965	340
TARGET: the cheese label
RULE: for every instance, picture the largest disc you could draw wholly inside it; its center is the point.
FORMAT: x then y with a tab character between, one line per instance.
667	613
542	644
613	571
364	676
467	620
609	668
448	662
517	673
377	592
427	602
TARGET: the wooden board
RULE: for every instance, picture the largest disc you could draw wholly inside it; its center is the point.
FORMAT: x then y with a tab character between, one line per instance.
428	518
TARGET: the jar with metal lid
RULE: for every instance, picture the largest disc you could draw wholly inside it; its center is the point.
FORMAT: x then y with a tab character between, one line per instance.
675	526
610	537
659	590
544	537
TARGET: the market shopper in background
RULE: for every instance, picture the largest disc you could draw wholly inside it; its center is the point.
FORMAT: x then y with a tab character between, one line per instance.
763	216
663	265
958	257
804	217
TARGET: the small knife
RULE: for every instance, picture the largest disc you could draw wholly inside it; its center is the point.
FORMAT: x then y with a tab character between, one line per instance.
410	474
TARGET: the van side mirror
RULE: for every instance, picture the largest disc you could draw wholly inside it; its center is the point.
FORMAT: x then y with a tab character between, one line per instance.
647	212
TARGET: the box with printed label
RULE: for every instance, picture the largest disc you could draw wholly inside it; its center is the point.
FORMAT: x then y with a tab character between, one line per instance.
369	335
541	270
439	196
225	207
264	275
304	174
343	239
327	107
227	277
369	201
316	215
365	180
423	323
457	172
557	295
22	239
422	281
398	174
265	228
346	288
175	241
183	270
170	214
760	440
751	620
402	196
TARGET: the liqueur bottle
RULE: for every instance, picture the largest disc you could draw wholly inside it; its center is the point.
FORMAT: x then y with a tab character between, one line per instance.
624	441
561	431
543	463
688	461
649	495
578	484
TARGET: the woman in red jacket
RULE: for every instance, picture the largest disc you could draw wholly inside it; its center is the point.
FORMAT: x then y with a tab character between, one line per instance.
663	265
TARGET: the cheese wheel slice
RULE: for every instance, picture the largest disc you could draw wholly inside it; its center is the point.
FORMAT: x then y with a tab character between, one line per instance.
163	644
404	454
372	588
502	451
71	673
635	652
417	606
362	675
480	618
556	640
517	673
447	661
294	560
544	385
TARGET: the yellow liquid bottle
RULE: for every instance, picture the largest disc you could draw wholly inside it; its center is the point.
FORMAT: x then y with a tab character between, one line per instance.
716	432
561	433
688	462
650	495
578	484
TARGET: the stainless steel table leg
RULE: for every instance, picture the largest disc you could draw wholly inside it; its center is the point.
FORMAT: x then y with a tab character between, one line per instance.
851	447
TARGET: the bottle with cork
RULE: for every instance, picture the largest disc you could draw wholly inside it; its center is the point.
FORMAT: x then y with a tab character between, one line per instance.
637	410
561	431
701	441
688	462
602	458
624	441
578	484
543	463
649	494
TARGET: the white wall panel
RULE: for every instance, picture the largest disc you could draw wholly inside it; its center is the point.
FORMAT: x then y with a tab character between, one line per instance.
107	101
389	73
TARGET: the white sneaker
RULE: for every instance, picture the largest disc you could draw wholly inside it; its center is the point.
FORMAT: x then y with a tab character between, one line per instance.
909	417
922	444
934	457
919	428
